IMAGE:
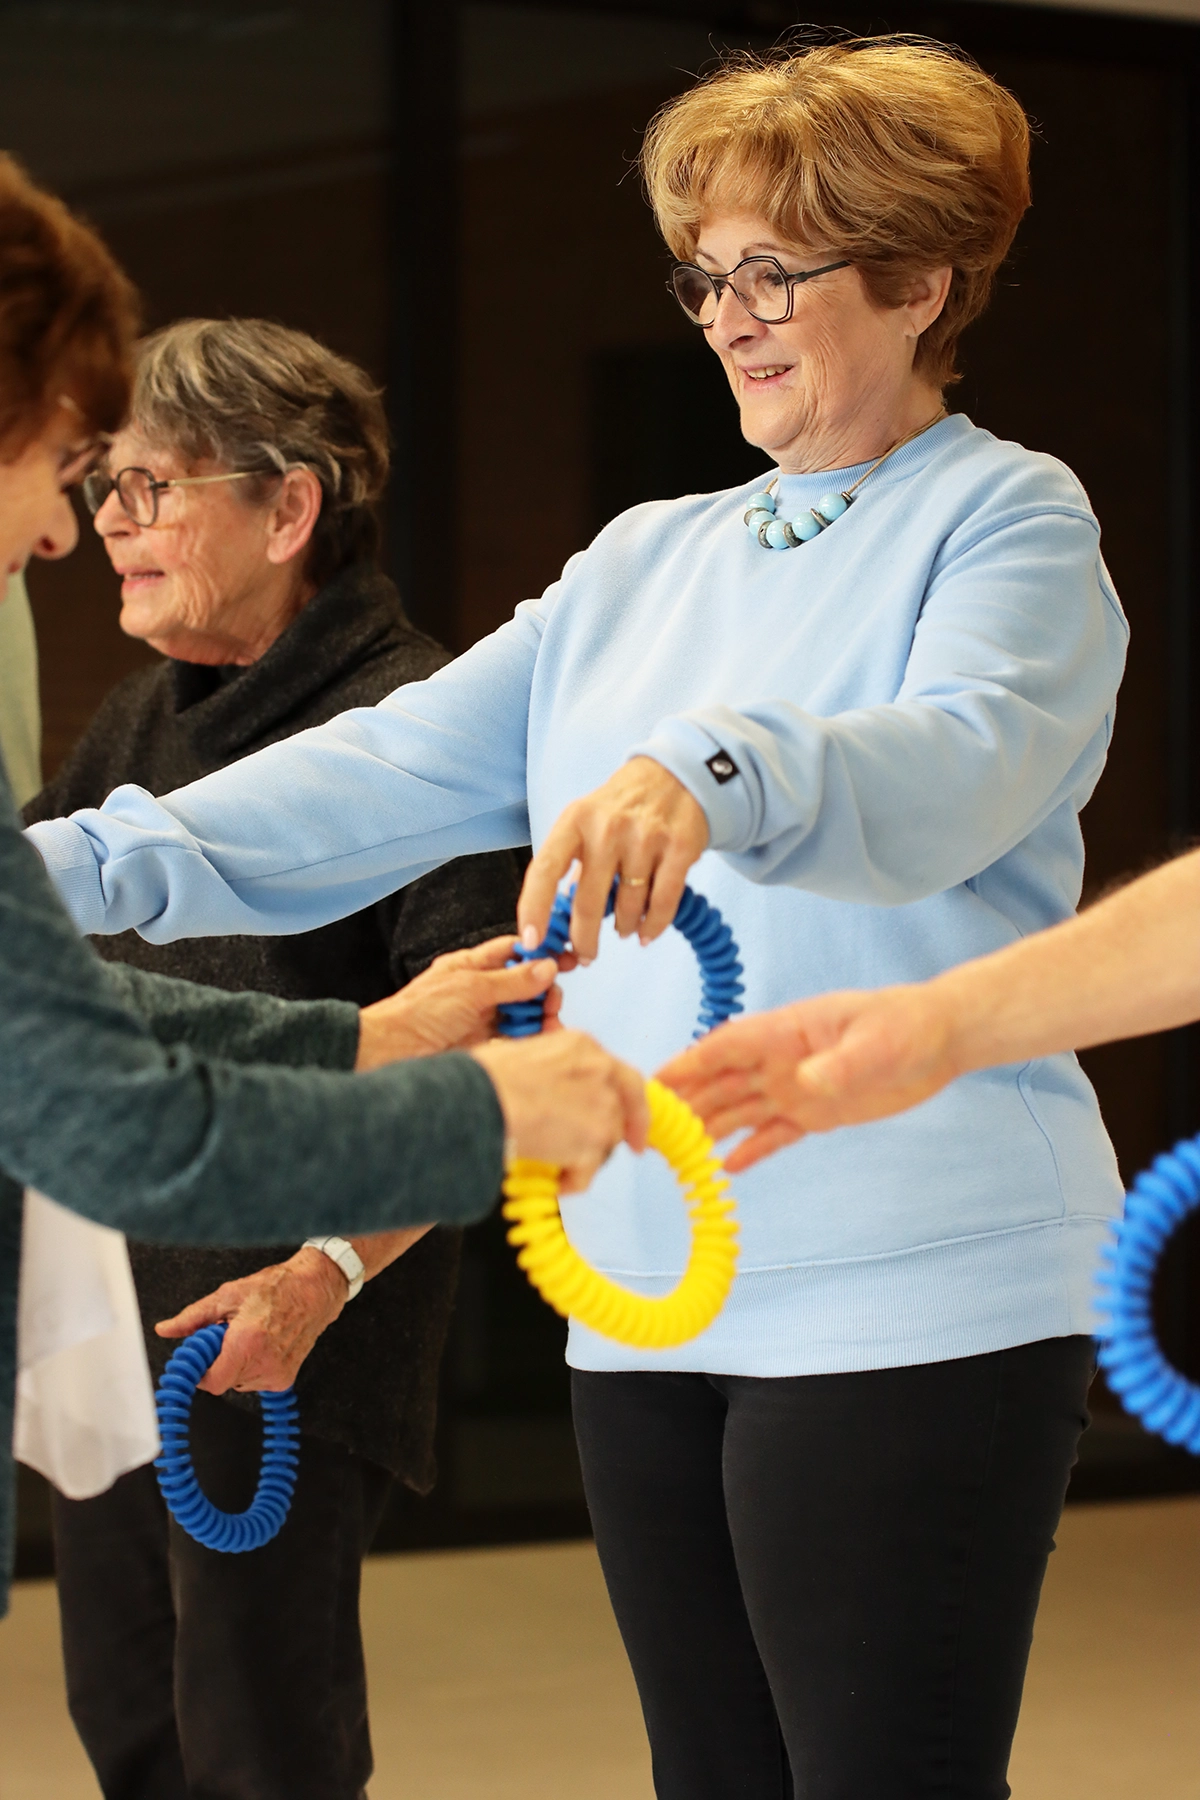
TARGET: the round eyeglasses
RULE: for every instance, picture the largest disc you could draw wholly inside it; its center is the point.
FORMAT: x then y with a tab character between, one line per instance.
761	283
138	490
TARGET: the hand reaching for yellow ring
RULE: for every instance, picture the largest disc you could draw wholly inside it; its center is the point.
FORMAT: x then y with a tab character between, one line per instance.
580	1292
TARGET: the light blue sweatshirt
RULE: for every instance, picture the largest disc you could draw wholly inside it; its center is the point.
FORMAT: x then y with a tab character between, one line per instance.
918	704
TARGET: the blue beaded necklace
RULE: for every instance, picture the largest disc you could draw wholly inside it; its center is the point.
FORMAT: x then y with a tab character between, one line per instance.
788	534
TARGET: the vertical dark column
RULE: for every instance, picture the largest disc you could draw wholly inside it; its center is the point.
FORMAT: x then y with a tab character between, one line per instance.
1181	501
422	392
1179	1288
1183	526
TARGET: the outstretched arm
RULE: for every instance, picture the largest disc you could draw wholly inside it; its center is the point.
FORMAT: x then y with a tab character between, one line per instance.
1127	966
173	1145
565	1101
276	1314
242	1027
321	825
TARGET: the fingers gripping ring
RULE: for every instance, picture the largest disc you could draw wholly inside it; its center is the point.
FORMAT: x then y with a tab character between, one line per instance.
1157	1204
188	1505
577	1291
700	923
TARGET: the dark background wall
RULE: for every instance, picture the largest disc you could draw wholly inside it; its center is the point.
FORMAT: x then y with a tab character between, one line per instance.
447	193
236	158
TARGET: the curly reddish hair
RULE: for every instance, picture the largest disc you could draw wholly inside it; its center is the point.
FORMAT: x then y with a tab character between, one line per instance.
68	316
897	152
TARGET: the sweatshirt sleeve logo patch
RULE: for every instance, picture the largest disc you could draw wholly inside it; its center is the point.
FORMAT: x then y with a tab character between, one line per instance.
722	767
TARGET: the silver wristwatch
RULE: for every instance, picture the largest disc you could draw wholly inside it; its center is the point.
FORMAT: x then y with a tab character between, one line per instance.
345	1256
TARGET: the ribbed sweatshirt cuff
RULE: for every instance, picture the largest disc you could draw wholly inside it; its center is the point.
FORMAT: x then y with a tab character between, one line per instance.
688	750
71	864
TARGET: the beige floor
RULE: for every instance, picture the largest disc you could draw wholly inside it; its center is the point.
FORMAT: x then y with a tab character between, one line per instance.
498	1674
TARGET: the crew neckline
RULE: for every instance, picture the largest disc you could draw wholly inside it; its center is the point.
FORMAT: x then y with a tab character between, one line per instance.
904	462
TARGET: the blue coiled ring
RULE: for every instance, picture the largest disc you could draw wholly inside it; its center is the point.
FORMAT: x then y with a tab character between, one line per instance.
188	1505
700	923
1157	1204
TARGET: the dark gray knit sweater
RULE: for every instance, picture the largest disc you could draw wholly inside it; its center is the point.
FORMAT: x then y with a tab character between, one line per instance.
122	1096
370	1383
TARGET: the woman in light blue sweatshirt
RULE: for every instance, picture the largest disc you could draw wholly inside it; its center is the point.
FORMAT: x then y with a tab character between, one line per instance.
877	706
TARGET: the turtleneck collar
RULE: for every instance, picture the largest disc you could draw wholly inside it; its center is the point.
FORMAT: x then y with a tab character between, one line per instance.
226	710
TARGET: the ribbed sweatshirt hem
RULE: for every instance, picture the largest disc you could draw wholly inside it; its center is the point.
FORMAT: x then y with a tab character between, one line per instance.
943	1301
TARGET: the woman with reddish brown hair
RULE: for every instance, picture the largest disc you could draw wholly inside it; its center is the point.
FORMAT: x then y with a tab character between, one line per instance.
859	703
176	1111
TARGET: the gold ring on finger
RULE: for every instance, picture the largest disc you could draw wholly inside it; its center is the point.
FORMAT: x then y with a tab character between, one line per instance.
634	880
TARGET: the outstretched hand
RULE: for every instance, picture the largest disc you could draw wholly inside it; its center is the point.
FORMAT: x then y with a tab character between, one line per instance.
642	825
452	1005
838	1059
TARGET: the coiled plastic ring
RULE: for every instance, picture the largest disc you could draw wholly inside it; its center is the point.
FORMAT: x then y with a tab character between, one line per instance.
188	1505
577	1291
1160	1199
700	923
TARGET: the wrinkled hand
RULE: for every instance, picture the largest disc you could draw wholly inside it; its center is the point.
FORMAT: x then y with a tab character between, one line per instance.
452	1005
838	1059
566	1101
275	1317
642	824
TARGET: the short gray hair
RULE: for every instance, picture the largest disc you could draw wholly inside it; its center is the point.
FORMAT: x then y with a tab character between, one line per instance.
251	394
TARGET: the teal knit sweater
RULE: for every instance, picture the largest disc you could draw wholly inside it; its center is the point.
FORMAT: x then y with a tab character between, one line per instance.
189	1115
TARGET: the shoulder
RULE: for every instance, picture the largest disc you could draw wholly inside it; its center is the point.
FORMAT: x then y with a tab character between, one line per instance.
1002	506
987	474
406	655
403	655
145	691
980	501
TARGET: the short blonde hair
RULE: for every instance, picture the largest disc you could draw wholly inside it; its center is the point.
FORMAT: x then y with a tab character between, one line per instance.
895	151
251	394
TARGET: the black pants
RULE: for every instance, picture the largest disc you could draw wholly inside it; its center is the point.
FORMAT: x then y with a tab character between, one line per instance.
826	1584
195	1675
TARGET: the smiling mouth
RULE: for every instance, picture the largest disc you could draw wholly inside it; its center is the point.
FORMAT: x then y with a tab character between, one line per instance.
767	374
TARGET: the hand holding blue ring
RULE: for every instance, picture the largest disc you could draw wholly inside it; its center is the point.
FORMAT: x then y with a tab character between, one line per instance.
700	923
188	1505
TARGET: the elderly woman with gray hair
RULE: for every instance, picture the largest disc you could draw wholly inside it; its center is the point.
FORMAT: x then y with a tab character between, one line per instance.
237	508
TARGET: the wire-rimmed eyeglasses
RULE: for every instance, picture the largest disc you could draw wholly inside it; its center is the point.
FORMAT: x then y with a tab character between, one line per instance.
138	489
765	288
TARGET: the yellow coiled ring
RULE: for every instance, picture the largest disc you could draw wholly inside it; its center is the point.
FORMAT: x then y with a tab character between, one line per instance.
577	1291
